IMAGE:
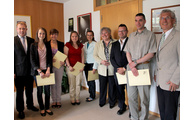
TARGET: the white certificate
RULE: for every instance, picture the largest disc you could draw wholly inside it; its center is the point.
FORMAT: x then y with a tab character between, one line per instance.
122	79
45	81
142	79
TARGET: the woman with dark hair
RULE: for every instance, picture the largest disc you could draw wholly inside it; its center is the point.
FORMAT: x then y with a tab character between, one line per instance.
41	60
75	53
90	64
56	88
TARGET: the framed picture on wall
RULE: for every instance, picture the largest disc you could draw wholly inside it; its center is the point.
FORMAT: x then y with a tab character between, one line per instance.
84	24
23	18
70	23
155	18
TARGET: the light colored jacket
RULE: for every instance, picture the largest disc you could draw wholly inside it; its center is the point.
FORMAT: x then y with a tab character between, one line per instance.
168	61
99	55
88	54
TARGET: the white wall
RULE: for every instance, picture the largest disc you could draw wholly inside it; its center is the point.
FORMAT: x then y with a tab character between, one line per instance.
72	9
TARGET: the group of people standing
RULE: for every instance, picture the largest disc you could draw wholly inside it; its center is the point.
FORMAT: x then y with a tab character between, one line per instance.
108	57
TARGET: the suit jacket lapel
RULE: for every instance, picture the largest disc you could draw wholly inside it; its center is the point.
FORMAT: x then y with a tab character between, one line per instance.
20	44
124	44
168	39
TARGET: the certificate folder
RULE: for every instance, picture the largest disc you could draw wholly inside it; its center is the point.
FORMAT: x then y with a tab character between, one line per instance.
122	79
92	76
77	67
59	56
142	79
45	81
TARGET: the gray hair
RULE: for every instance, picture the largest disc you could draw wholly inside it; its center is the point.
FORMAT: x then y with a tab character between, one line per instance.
173	16
107	29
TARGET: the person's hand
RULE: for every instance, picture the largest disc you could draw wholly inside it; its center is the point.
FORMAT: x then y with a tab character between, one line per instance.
93	71
81	70
121	70
135	72
47	73
132	65
14	76
62	63
42	75
54	60
155	78
172	86
105	62
71	68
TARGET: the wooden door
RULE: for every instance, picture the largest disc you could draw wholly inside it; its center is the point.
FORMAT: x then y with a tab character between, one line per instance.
112	16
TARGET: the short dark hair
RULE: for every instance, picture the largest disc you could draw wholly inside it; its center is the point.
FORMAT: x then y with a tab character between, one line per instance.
53	31
123	25
45	39
141	14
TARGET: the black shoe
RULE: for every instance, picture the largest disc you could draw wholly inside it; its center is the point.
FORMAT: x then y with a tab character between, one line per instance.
21	115
101	105
33	108
73	103
129	114
43	114
121	111
50	113
111	106
78	103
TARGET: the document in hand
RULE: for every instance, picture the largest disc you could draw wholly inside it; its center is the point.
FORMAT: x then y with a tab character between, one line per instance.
45	81
77	67
122	79
59	56
92	76
142	79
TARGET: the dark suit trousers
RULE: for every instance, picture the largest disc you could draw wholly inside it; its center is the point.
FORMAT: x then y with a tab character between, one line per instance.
168	103
104	80
91	84
120	94
20	83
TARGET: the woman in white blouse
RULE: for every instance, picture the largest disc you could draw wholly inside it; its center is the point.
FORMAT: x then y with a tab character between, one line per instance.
90	63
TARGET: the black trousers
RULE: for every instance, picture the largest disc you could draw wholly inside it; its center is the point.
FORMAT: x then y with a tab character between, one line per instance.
168	103
20	83
47	95
91	84
104	80
120	94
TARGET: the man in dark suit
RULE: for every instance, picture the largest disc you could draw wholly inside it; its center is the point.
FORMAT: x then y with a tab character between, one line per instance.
22	68
119	61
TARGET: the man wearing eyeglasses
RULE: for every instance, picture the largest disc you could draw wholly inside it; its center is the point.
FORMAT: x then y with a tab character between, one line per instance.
168	66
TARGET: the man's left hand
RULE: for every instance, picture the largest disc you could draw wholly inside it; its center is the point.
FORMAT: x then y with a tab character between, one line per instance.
172	86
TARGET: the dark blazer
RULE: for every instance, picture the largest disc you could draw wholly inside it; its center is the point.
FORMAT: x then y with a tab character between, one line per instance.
118	57
60	46
34	58
22	66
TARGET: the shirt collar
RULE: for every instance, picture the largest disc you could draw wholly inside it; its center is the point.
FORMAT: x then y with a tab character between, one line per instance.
167	33
144	31
123	40
21	37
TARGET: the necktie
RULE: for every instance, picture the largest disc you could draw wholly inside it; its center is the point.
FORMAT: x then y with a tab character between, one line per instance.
23	42
162	41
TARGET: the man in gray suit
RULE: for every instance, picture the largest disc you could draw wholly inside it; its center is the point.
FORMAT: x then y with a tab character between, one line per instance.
168	66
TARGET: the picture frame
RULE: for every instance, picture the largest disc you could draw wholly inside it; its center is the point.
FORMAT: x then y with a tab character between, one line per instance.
27	20
155	18
84	24
71	24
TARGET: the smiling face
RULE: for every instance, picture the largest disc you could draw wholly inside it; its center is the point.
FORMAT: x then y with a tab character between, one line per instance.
122	32
54	36
140	22
74	37
21	30
41	34
166	21
105	35
89	36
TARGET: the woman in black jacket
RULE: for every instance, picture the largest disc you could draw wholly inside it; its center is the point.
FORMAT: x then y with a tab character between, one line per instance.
41	60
